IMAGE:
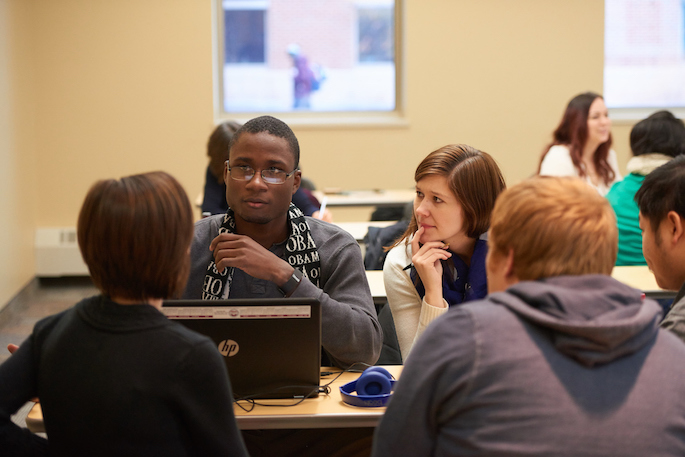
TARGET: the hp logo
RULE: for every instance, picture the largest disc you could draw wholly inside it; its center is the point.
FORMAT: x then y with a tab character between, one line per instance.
228	348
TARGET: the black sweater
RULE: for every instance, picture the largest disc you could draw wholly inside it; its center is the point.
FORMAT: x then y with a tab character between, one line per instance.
119	380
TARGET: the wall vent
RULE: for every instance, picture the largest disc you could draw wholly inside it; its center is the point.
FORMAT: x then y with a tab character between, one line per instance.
67	236
57	253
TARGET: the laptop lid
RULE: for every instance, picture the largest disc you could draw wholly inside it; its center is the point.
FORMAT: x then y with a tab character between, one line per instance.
271	346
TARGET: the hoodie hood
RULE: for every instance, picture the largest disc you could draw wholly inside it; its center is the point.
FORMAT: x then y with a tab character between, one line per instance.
593	319
646	163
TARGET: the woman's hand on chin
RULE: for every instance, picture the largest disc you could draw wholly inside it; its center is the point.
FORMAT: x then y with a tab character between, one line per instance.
426	259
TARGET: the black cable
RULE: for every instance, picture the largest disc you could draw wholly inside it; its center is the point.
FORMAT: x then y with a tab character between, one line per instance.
357	367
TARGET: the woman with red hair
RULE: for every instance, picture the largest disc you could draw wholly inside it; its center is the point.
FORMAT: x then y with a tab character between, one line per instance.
582	144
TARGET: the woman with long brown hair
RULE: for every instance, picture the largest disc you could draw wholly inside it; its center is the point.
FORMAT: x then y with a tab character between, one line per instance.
581	144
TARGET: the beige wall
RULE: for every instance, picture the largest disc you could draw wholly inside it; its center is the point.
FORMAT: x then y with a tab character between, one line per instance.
119	87
123	87
620	132
493	74
17	152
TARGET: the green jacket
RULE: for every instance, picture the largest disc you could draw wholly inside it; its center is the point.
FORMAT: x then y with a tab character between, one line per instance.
622	199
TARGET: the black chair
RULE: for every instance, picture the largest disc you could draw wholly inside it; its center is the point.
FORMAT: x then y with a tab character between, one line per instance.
376	239
390	353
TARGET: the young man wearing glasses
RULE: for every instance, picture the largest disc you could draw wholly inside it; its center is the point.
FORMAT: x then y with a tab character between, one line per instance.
264	247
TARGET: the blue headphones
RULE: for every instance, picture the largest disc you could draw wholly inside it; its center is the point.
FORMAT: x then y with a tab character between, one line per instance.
373	387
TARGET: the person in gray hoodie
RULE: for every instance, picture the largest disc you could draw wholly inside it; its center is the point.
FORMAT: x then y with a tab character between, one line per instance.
661	200
559	359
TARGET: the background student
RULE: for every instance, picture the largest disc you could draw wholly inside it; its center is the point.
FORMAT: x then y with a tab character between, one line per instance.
560	359
214	200
581	144
661	200
114	375
654	141
440	259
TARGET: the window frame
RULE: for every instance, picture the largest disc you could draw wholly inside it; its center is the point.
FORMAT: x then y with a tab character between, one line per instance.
631	115
315	119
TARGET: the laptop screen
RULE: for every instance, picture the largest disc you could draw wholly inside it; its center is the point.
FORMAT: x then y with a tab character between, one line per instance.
272	347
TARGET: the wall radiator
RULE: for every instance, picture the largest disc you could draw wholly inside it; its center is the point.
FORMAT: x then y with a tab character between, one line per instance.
57	253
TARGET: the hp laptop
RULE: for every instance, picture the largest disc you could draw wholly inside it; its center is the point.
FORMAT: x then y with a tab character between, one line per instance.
271	346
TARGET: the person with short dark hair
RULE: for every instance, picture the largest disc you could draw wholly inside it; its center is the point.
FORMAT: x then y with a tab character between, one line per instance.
654	141
214	199
661	200
264	247
439	261
581	144
114	375
559	359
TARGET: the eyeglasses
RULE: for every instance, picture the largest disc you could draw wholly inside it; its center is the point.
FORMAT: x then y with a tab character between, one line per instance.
269	175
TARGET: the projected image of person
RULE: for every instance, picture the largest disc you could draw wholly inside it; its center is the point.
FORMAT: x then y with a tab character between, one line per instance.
305	80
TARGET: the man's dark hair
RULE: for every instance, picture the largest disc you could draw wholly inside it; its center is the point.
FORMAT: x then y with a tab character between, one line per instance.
273	126
217	148
663	190
661	132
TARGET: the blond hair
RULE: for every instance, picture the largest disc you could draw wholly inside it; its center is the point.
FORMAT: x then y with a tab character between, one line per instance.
555	226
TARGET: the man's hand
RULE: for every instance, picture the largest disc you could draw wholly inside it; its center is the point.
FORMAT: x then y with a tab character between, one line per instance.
325	216
241	251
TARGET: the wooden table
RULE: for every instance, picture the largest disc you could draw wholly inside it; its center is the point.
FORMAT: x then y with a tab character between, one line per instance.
359	229
34	419
324	411
377	286
376	197
639	277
